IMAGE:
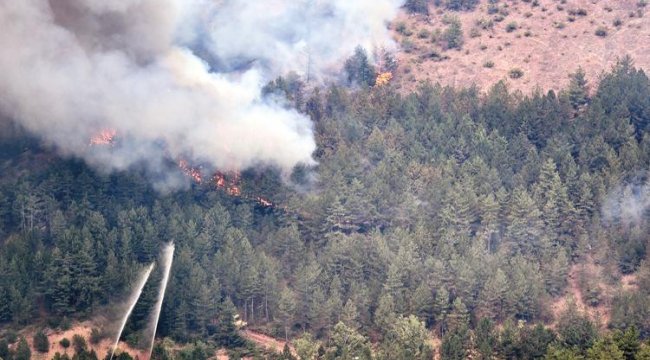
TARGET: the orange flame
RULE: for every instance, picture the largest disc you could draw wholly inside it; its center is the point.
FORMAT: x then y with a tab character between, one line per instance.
193	173
104	137
219	180
264	202
230	183
383	79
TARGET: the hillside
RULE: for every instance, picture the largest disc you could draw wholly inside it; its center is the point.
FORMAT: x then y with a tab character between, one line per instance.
546	39
198	179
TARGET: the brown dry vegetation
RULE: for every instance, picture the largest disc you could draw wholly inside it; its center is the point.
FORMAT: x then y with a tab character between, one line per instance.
547	45
266	342
609	286
83	329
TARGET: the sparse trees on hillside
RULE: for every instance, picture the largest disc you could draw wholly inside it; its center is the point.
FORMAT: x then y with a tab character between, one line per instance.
453	34
41	342
417	6
442	204
359	70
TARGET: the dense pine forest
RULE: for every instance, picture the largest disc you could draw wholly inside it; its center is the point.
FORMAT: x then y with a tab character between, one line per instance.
462	215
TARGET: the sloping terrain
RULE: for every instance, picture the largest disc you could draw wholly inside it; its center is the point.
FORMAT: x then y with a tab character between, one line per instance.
546	42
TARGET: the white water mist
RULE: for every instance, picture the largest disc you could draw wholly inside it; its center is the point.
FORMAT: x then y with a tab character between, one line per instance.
166	262
133	299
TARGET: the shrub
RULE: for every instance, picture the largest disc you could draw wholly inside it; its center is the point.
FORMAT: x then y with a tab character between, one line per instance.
95	336
4	349
407	45
460	4
474	33
417	6
22	351
618	22
65	343
11	336
400	27
423	34
601	31
511	27
433	55
579	12
515	73
41	342
485	24
453	35
488	64
79	343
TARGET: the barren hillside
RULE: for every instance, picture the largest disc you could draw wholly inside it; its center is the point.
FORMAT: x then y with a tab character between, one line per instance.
545	39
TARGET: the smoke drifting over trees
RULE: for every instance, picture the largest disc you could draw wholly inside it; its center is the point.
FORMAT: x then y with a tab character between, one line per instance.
627	204
174	79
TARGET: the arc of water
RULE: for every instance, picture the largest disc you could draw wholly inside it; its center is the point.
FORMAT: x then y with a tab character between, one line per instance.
167	257
133	299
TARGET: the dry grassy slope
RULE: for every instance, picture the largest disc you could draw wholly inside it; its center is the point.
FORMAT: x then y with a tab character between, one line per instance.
84	328
546	56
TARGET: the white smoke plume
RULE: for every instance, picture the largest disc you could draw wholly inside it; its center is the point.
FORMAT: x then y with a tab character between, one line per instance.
175	78
627	204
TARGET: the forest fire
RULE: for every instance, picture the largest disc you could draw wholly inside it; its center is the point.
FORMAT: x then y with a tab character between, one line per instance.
104	137
193	173
383	78
230	185
264	202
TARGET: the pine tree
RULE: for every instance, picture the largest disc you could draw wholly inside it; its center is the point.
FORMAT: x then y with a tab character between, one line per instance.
350	315
359	70
407	339
60	284
485	339
347	344
385	315
578	91
41	342
22	351
286	309
306	347
628	342
493	296
524	224
441	309
423	303
459	316
5	305
605	349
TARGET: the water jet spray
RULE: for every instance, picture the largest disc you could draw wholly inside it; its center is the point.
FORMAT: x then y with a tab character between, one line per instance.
167	257
133	299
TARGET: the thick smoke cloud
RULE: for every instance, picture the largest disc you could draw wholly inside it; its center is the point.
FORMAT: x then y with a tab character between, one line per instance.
175	78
